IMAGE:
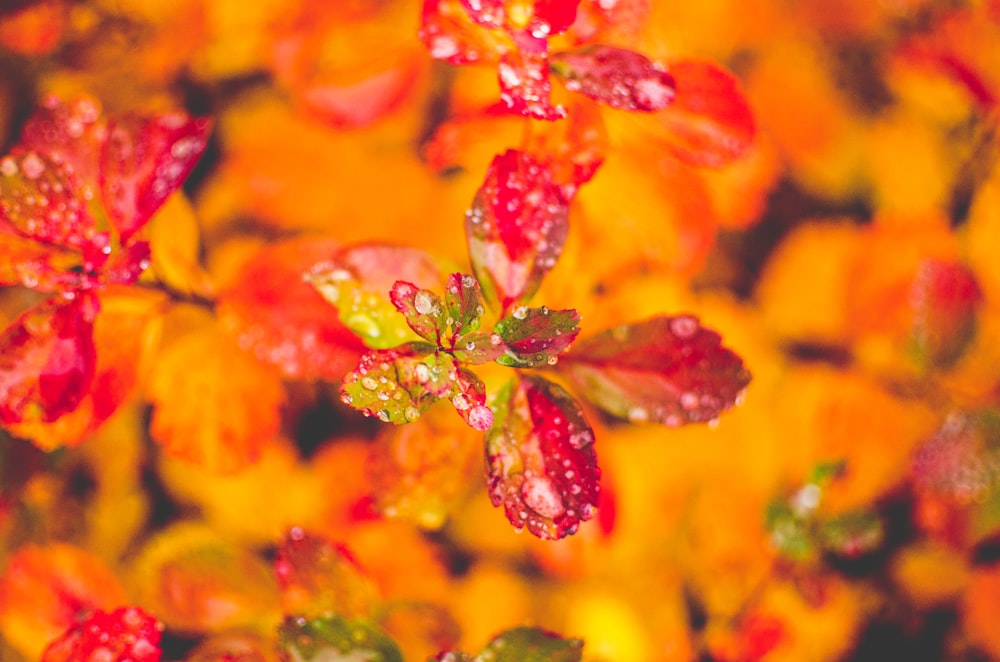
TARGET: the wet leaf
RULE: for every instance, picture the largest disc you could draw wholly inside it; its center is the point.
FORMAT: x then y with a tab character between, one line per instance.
69	132
468	397
464	302
531	644
128	634
451	35
516	228
144	160
333	638
282	319
490	14
525	87
357	280
552	17
424	311
214	404
534	337
944	298
709	122
541	461
616	76
668	370
398	385
43	200
317	577
44	588
47	360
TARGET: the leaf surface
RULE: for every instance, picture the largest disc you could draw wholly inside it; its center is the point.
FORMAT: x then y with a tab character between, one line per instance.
668	370
278	316
423	310
618	77
534	337
317	576
398	385
525	87
944	298
335	638
127	634
143	161
450	34
47	360
523	644
516	228
542	467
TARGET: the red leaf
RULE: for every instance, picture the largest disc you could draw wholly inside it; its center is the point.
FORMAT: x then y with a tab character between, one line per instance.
449	34
47	360
43	200
41	267
573	149
281	318
668	370
127	634
516	228
535	336
469	400
424	311
487	13
616	76
68	133
144	160
552	17
944	298
525	86
398	385
542	464
710	122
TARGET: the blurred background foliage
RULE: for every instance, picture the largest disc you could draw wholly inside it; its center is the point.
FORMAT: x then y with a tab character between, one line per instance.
847	510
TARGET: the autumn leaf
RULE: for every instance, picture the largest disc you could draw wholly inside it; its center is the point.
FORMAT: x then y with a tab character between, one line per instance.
358	279
128	634
398	385
944	297
450	35
668	370
621	78
319	577
214	404
534	337
463	300
541	462
279	317
516	228
71	133
336	638
44	588
525	87
523	644
144	160
423	310
709	123
197	581
47	360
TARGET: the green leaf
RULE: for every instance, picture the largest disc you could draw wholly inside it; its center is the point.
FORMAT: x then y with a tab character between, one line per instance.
398	385
336	639
530	644
479	348
534	337
424	311
464	302
357	280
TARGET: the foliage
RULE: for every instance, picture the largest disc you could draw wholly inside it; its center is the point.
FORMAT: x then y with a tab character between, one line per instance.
296	296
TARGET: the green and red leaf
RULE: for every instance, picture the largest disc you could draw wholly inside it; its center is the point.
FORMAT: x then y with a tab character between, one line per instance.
127	634
331	638
469	400
534	337
357	280
278	316
47	360
317	576
398	385
619	77
542	467
709	122
144	160
69	133
944	298
516	228
463	300
423	310
668	370
523	644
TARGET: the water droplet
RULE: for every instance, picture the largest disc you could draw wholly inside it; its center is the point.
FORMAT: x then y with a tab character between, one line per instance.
461	401
581	439
468	281
495	339
541	495
519	312
8	166
689	401
382	415
32	166
369	383
552	360
422	372
684	327
638	415
481	418
423	301
470	345
411	414
714	423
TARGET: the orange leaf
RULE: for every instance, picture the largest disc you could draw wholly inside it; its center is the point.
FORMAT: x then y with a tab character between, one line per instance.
214	404
282	319
44	588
